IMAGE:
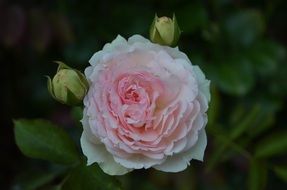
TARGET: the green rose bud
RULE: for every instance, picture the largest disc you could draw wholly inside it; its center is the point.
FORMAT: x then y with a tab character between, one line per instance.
69	86
165	31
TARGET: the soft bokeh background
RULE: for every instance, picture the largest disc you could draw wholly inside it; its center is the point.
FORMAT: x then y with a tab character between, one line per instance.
240	45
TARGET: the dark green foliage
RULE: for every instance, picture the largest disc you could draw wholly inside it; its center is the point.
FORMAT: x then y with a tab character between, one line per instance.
41	139
240	46
90	178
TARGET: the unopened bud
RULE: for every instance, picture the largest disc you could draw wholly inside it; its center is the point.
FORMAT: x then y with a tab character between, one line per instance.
69	86
165	31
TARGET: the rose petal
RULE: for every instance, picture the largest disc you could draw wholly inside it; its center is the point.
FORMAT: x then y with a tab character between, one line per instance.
179	162
137	39
197	151
98	153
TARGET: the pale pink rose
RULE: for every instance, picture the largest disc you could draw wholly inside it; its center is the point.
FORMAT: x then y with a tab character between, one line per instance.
146	107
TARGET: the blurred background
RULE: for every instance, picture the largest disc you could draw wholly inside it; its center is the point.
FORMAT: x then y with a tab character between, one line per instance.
240	45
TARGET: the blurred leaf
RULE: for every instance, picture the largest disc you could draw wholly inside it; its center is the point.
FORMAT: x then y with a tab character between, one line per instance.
266	56
274	49
244	27
192	17
263	62
41	139
54	188
212	33
32	180
233	75
77	113
158	178
245	122
265	117
236	114
253	120
90	178
225	145
216	157
214	107
257	175
281	172
273	145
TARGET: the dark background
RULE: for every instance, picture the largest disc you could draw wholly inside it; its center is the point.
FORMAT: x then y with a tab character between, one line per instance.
240	45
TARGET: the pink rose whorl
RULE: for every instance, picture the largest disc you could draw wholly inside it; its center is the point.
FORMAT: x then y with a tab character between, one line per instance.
146	107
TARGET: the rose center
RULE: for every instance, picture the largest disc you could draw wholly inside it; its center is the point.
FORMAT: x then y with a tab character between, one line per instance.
132	94
135	100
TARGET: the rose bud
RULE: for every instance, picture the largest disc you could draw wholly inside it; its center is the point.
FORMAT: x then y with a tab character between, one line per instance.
165	31
69	86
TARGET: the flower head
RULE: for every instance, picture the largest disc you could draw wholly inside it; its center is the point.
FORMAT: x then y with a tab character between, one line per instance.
146	107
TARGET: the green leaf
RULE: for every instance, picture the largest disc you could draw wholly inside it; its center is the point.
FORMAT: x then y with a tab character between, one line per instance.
273	145
41	139
257	175
90	178
281	172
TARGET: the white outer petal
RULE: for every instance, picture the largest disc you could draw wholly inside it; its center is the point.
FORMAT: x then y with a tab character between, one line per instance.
202	82
96	152
138	162
137	39
176	54
197	151
117	43
179	162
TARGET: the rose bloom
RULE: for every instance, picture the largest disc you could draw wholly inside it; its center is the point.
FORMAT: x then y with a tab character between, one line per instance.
146	107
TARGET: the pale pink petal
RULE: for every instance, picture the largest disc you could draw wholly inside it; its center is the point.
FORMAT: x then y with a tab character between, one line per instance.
145	108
